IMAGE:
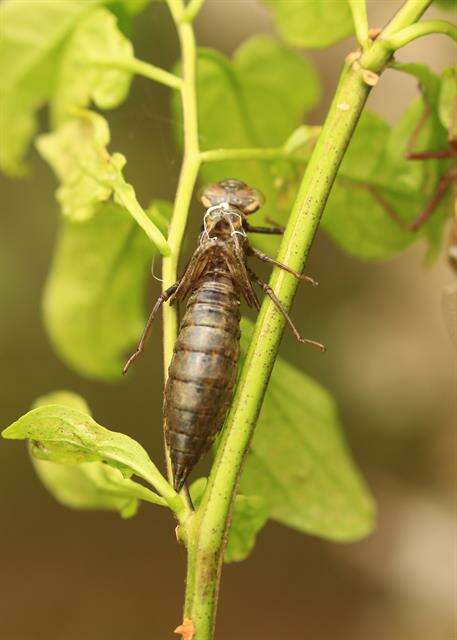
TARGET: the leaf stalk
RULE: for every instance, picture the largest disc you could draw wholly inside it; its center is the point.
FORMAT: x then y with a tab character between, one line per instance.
409	34
360	19
141	68
266	153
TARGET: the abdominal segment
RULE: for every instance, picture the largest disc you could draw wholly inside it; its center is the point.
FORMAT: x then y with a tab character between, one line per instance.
202	374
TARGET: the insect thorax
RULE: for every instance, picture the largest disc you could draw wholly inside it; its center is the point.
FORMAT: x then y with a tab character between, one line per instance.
222	222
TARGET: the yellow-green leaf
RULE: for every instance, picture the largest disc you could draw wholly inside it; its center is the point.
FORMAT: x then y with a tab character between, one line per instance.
89	174
312	24
257	99
447	106
89	485
80	80
31	35
60	434
94	301
39	56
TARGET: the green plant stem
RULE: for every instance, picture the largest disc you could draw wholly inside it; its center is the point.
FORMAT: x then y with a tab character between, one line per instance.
140	68
359	17
125	195
208	530
187	179
271	153
405	36
376	58
192	10
175	501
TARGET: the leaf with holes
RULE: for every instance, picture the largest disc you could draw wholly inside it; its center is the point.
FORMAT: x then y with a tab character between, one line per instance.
89	174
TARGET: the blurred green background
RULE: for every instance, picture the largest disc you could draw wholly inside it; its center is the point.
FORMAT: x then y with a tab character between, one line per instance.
390	364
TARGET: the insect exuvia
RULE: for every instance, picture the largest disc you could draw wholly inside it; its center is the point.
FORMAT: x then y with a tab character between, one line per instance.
202	373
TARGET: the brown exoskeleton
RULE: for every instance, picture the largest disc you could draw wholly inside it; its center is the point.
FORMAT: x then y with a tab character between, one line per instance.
202	372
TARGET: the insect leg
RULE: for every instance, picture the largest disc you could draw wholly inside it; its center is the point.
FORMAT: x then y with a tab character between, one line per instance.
263	256
271	294
278	231
275	224
147	330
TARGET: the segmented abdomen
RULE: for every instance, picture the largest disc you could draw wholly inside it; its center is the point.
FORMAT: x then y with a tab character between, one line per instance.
202	373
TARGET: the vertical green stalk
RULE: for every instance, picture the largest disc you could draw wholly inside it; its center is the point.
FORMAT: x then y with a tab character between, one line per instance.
208	531
187	178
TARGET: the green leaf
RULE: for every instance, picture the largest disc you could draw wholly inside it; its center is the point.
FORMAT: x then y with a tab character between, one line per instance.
313	24
428	81
65	398
448	5
94	297
79	81
447	102
29	47
33	43
299	462
374	170
89	174
353	217
248	102
64	435
375	180
89	485
250	514
131	7
249	517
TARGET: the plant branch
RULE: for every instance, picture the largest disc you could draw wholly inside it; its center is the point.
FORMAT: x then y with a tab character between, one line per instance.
125	195
408	34
176	502
187	179
192	10
140	68
272	153
210	524
360	19
376	58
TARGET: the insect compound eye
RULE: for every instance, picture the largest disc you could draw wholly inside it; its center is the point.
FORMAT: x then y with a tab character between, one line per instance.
212	194
234	192
253	202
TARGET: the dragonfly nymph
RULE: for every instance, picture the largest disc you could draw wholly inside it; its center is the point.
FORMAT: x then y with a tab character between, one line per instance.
202	373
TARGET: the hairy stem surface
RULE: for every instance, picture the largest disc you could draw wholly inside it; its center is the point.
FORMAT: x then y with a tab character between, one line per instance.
208	530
